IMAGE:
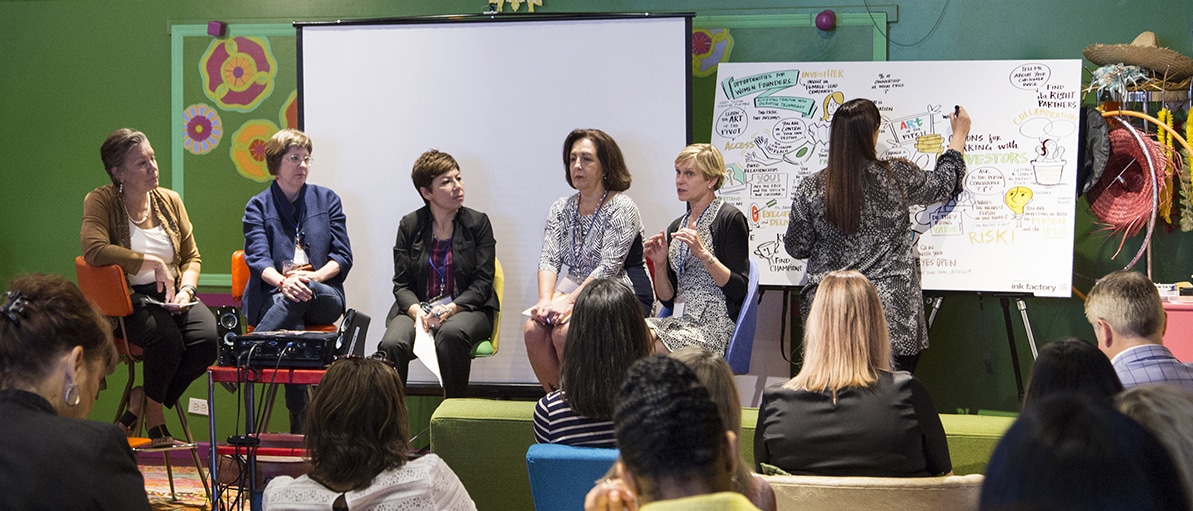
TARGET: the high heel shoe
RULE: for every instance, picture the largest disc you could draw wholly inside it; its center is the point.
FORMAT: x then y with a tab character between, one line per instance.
159	437
130	421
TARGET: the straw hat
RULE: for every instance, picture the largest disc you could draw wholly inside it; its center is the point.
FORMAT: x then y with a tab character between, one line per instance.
1122	197
1145	52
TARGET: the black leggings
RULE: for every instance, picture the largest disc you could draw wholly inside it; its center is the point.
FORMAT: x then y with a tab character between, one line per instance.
177	347
906	362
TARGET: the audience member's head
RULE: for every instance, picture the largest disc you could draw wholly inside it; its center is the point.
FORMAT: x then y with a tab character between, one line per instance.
1074	453
672	440
606	334
53	343
1166	411
1125	310
846	341
1072	365
356	424
716	375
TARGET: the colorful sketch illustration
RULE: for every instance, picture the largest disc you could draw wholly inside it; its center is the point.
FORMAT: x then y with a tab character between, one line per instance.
1010	224
1049	162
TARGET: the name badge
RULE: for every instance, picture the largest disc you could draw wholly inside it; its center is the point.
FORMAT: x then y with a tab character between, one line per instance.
677	311
566	284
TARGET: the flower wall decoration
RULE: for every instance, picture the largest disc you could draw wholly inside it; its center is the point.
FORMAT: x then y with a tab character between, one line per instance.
288	115
238	72
710	47
248	149
203	129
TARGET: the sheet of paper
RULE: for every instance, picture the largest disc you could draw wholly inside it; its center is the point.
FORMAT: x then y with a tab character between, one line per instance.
424	349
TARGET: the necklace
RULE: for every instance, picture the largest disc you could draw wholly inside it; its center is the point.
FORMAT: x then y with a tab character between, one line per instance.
144	216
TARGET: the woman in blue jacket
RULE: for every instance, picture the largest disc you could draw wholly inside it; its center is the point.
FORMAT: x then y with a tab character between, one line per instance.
296	246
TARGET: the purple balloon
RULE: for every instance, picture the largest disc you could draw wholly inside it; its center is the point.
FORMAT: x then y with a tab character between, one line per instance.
826	20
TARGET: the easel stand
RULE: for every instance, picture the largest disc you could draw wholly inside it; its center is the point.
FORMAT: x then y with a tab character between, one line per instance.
1005	301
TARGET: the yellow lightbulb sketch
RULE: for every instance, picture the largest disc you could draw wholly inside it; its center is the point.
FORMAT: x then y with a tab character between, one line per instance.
1018	197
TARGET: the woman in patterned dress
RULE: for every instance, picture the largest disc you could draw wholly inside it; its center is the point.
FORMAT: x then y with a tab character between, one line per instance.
853	215
595	233
703	279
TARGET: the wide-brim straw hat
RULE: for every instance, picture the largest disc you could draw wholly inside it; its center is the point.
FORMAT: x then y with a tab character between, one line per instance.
1145	51
1122	198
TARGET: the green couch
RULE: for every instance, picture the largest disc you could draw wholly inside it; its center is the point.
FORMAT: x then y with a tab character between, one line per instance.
485	442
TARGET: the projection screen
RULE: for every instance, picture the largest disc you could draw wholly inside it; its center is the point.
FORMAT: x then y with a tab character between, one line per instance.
499	94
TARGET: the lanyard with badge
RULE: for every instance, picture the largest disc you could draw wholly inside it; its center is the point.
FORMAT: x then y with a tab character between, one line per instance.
569	284
684	251
441	272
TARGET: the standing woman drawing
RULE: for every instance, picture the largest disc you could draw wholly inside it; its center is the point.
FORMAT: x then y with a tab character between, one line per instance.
853	215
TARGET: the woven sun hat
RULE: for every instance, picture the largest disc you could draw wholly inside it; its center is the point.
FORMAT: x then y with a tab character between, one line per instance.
1122	197
1145	51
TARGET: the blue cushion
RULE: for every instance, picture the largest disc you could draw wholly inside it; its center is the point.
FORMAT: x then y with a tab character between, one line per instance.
561	475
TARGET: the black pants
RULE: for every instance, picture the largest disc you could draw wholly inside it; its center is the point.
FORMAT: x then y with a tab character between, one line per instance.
177	347
453	345
906	362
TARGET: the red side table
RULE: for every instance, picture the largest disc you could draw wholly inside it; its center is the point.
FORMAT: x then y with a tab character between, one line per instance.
268	445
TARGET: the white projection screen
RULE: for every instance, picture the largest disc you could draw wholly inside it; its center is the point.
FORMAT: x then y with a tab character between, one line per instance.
499	94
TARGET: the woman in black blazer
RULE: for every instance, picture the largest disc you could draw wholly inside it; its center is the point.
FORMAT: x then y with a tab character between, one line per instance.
54	349
443	275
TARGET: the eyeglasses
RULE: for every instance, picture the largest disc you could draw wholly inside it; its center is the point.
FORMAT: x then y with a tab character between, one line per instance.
296	160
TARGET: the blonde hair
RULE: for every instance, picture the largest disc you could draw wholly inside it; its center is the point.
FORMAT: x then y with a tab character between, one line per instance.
708	161
838	97
846	341
1166	411
1129	302
716	375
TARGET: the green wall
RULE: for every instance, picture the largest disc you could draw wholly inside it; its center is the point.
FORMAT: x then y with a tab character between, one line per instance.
72	71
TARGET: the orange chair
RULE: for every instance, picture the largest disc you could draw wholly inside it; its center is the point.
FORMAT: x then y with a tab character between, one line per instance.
107	289
240	281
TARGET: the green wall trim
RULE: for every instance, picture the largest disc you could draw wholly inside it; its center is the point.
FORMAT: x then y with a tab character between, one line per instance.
875	19
177	66
215	280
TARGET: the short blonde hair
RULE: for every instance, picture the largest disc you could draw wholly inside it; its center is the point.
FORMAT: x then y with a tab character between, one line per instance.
1129	302
1166	411
708	160
846	341
281	142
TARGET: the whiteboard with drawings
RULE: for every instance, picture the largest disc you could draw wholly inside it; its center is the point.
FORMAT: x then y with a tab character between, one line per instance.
1010	230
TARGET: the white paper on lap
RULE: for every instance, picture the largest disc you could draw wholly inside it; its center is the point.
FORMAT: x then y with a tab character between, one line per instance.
424	349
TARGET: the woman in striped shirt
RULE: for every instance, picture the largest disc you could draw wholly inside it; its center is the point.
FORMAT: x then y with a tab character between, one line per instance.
607	334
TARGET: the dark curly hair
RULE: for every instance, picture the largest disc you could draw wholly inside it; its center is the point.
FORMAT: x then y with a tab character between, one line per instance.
666	425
